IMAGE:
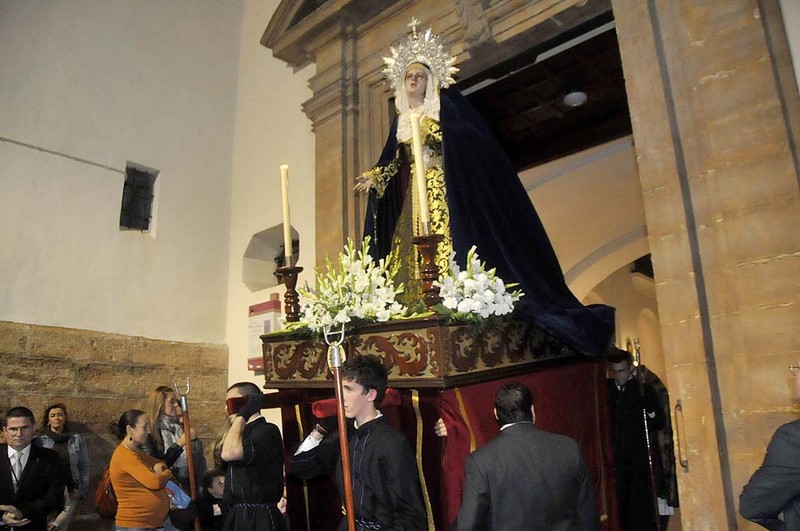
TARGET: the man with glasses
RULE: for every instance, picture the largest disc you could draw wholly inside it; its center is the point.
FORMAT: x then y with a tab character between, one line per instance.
31	477
772	496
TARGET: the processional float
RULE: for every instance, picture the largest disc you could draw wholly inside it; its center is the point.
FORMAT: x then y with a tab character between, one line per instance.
438	369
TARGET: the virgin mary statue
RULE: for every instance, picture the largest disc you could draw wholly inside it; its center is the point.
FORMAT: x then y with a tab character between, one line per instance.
475	197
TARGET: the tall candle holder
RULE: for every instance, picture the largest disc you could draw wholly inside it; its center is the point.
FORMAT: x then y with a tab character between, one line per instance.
428	272
291	300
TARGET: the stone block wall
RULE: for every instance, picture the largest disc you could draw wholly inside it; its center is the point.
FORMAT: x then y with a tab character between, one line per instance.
714	110
98	376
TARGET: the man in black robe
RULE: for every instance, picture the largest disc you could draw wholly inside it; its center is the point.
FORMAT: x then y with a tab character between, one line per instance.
386	487
253	454
637	463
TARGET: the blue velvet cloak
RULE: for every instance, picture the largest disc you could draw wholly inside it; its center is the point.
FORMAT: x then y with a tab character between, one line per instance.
489	208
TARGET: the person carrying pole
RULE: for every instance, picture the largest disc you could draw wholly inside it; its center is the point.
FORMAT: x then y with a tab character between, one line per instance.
382	464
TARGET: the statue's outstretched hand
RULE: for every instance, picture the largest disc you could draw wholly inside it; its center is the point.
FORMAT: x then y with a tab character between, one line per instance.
363	183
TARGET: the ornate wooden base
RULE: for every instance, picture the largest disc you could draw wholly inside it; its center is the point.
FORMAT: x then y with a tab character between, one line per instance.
418	353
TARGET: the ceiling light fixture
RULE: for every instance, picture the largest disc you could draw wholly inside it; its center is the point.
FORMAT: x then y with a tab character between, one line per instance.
574	98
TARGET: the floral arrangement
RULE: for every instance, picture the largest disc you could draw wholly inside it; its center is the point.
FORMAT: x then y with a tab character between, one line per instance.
475	290
357	289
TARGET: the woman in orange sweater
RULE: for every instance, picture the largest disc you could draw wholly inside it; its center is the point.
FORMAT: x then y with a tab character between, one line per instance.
138	479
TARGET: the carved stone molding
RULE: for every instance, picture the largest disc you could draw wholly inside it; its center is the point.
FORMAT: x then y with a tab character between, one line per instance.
474	21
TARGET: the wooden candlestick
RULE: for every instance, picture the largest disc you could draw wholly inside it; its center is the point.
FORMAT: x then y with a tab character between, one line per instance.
291	300
428	272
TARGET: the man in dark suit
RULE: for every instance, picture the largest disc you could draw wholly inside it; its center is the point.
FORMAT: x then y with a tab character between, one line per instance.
772	496
31	478
526	479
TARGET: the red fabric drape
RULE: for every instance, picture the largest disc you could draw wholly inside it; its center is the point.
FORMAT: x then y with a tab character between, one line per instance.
570	400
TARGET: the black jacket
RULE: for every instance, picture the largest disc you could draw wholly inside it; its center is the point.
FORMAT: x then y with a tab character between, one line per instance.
40	490
384	471
527	479
775	487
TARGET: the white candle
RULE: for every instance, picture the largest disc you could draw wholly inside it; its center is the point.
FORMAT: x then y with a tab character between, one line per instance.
419	171
287	225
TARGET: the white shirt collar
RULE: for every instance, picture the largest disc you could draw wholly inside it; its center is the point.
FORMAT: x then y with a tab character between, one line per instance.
504	426
254	418
26	452
379	415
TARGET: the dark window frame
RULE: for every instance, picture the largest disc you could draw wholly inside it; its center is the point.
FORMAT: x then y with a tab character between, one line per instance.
138	193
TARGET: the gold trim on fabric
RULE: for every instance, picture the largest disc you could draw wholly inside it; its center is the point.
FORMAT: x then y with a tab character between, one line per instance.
425	497
439	215
410	223
299	419
463	408
300	432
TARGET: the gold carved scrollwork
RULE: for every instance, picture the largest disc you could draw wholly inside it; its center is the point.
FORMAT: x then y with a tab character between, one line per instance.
468	349
487	347
424	352
508	344
517	342
304	360
406	351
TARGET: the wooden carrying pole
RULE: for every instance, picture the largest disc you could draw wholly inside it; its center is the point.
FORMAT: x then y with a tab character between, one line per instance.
335	361
187	437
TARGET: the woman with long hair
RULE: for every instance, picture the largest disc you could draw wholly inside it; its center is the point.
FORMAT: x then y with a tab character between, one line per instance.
217	449
167	440
138	478
56	434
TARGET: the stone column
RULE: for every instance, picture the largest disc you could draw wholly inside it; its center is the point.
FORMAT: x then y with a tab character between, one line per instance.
333	112
712	128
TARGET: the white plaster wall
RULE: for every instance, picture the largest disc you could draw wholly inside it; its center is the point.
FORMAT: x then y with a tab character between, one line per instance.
271	130
104	83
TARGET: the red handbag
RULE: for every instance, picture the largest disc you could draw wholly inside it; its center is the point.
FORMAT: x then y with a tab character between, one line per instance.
105	501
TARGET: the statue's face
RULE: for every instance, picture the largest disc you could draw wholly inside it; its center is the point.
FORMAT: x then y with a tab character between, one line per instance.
416	82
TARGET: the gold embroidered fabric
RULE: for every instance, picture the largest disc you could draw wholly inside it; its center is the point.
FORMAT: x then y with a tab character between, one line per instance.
381	174
409	223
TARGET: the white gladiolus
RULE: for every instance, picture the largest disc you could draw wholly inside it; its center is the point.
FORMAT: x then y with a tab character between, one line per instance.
475	290
359	288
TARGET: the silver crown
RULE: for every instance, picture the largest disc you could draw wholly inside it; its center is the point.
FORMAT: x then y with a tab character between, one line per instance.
427	49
